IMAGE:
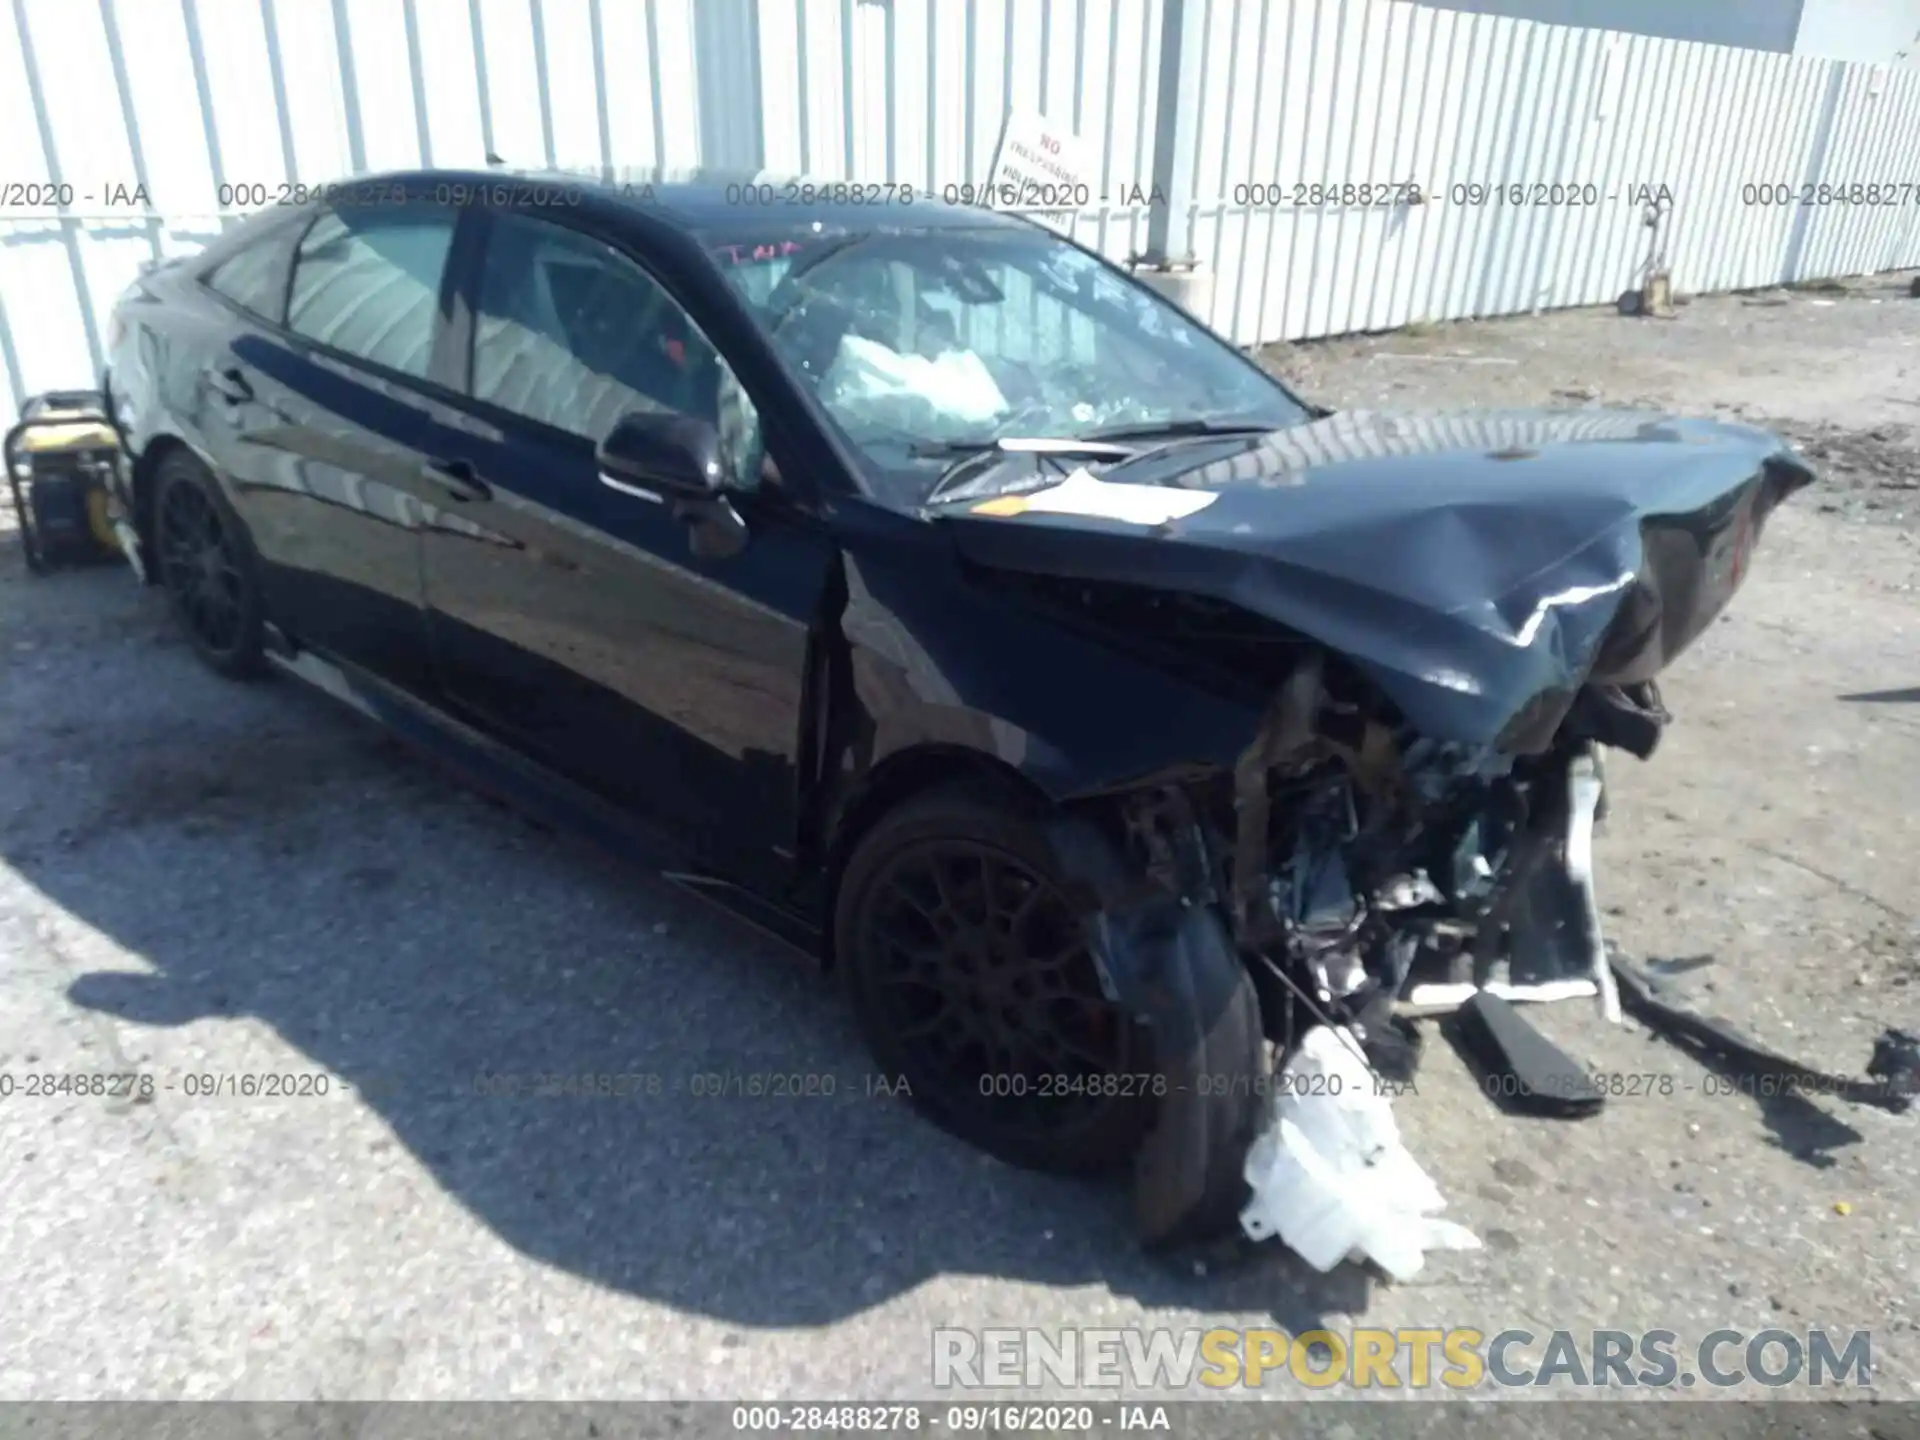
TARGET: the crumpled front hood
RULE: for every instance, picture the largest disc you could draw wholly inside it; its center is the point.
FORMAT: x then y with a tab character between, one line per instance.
1467	561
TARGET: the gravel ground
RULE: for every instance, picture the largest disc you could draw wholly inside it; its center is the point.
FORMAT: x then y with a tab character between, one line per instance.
200	879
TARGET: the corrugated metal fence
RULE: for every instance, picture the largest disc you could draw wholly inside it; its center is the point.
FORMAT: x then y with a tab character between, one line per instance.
130	128
1535	146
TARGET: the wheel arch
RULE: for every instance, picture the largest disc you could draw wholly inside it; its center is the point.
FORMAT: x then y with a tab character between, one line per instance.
898	779
142	483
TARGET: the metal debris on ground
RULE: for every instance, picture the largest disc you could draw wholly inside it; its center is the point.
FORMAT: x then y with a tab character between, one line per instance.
1892	1079
1520	1066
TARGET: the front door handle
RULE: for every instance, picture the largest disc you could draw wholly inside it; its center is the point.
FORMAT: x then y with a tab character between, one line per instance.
458	480
230	384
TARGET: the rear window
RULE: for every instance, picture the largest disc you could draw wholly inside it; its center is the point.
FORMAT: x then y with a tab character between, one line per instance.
367	282
254	277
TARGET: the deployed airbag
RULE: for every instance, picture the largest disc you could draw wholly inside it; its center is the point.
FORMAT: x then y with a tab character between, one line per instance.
868	378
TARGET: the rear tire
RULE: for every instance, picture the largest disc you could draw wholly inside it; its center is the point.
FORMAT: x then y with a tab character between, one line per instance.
205	563
970	975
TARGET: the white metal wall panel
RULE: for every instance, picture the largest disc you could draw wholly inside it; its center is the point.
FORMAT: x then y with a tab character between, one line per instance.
172	100
915	93
1377	91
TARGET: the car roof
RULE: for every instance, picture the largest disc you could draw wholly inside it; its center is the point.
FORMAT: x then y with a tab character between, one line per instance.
709	199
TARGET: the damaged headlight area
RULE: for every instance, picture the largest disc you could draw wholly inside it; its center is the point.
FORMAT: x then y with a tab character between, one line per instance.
1357	861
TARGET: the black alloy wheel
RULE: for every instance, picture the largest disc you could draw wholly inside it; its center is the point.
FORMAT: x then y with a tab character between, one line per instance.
206	569
975	983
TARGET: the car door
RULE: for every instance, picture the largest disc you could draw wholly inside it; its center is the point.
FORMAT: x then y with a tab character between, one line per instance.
570	615
334	409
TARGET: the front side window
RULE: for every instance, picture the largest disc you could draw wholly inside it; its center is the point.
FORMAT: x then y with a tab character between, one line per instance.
911	340
367	282
573	334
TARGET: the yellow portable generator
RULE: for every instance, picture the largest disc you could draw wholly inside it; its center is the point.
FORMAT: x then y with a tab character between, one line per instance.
59	457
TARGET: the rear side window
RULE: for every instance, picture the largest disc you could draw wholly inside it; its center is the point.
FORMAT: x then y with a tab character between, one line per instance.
254	277
367	282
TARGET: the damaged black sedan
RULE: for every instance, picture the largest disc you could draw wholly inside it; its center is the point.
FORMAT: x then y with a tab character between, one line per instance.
927	589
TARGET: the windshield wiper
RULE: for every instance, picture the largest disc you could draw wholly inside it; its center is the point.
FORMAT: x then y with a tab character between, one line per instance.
1153	429
1056	447
1091	448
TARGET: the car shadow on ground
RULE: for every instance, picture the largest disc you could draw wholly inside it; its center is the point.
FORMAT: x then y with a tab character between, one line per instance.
270	856
1886	697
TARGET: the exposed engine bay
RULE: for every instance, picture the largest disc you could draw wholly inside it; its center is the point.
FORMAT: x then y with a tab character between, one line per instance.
1352	849
1349	853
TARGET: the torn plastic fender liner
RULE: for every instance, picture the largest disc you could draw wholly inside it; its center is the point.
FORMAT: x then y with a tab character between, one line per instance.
1173	967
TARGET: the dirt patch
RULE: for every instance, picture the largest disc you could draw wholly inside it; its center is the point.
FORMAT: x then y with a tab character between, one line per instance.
1836	373
1867	474
205	785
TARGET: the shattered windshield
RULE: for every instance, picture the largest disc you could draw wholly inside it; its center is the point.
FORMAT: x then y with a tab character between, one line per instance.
921	344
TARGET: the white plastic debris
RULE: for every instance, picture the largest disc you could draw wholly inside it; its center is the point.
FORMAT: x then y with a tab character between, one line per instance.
1329	1174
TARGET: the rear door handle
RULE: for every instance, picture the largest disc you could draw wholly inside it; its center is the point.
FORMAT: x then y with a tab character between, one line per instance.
458	480
230	384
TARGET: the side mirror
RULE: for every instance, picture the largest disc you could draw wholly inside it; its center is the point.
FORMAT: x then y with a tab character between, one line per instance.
668	456
675	459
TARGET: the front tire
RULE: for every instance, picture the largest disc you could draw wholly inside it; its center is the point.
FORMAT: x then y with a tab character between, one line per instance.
207	569
971	976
